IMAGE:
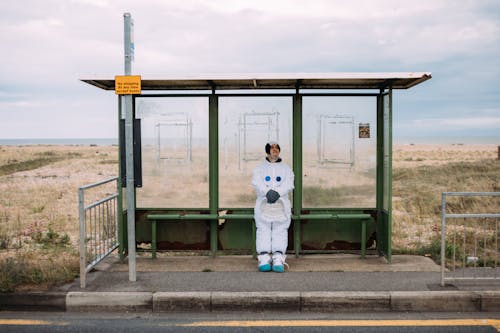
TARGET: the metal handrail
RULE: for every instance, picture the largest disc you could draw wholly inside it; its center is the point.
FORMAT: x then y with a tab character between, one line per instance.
102	182
445	215
102	216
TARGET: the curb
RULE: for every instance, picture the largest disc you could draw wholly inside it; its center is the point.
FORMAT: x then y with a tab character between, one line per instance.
217	301
34	301
455	301
109	301
346	301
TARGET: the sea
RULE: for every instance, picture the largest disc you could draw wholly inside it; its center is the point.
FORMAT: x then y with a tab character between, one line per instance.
60	141
453	140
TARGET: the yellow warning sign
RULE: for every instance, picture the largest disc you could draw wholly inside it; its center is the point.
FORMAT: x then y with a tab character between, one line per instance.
128	85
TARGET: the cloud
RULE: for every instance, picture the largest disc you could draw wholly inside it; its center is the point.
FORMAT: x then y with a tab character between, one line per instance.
483	123
8	106
458	123
48	45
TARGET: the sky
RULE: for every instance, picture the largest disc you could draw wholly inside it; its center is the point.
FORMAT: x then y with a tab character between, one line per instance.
48	45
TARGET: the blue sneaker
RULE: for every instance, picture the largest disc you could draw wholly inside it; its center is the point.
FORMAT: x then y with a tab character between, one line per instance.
264	262
279	262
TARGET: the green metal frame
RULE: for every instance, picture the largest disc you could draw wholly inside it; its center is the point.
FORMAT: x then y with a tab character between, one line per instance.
384	174
147	219
297	168
213	166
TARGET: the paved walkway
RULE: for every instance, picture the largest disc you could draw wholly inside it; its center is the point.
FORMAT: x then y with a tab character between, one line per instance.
228	283
239	273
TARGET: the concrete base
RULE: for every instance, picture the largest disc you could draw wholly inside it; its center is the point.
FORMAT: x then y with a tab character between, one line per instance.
435	301
490	301
181	302
109	301
351	301
348	302
255	301
33	301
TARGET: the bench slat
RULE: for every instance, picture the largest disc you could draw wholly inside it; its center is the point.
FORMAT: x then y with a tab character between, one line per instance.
159	217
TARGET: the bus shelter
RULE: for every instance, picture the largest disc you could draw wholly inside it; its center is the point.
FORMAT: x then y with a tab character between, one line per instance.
196	141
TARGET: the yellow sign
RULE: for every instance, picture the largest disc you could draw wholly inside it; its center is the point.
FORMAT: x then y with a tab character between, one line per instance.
128	85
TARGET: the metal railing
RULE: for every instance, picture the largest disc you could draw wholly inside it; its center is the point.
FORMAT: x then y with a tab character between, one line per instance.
98	227
466	253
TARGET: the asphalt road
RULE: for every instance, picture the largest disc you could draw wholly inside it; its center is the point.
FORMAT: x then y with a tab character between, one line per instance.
248	322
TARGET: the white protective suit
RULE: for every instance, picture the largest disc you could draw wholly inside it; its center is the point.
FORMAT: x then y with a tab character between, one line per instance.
272	220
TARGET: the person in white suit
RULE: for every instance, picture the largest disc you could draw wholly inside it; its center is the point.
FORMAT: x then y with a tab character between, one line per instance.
273	181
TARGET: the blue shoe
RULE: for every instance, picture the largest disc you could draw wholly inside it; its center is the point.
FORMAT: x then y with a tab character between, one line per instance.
265	268
279	262
278	268
264	262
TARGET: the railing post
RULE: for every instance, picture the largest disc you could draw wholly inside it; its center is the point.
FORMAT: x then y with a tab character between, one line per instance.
451	215
443	236
83	261
96	232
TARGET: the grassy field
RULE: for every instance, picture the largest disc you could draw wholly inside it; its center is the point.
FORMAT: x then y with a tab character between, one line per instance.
39	203
39	210
421	174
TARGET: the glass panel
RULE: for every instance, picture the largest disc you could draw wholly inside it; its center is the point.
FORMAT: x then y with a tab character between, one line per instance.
174	152
246	124
339	152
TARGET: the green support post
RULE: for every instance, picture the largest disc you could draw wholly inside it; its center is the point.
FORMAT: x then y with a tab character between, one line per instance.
254	240
297	169
380	165
363	238
389	181
153	239
384	173
213	167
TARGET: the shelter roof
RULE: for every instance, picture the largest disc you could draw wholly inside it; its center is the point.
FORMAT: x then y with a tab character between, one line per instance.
337	80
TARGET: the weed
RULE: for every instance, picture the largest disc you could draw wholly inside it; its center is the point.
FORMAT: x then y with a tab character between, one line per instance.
36	163
35	231
13	272
38	209
52	238
65	239
5	238
22	270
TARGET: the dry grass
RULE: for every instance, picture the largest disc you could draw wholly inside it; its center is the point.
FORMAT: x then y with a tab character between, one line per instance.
422	172
39	213
39	209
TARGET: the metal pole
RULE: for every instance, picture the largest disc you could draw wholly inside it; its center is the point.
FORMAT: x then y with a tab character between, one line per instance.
83	259
213	168
389	184
443	236
129	148
297	169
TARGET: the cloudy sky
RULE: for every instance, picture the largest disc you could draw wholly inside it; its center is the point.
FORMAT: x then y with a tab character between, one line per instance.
48	45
